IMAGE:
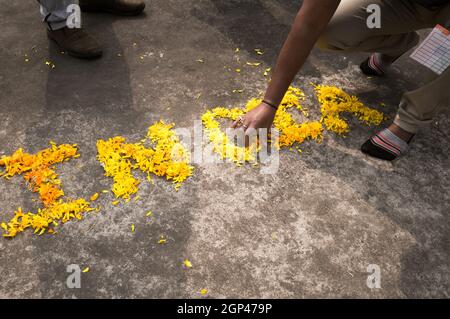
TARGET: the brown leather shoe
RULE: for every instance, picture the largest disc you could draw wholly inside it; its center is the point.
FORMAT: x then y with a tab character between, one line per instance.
76	42
120	7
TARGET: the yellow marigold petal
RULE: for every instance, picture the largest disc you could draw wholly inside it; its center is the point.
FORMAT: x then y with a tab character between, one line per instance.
162	240
187	263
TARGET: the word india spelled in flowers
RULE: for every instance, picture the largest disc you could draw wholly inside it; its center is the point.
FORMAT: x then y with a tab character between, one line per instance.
333	100
168	158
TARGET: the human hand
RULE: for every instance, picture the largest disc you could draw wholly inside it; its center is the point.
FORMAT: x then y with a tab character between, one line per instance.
261	116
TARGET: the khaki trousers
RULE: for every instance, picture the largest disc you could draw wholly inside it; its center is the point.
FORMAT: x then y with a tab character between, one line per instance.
400	19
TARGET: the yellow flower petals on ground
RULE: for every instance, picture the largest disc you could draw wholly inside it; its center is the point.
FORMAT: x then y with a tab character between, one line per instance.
187	263
335	101
40	221
290	131
162	240
167	158
171	159
259	52
94	197
253	63
38	171
219	139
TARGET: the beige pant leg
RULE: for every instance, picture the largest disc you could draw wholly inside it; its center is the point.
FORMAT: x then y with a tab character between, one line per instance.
419	107
348	30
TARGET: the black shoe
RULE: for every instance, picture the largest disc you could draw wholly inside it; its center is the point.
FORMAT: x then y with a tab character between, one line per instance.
76	42
119	7
367	70
369	148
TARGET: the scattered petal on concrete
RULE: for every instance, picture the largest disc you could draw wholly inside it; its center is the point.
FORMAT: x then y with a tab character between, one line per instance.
253	63
259	52
187	264
162	240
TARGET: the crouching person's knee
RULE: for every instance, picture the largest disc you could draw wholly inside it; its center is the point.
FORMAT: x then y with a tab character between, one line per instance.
331	40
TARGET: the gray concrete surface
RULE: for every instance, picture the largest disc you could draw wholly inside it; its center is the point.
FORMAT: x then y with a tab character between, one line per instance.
310	230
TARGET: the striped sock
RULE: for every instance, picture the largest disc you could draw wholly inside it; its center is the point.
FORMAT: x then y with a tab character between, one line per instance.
374	65
385	145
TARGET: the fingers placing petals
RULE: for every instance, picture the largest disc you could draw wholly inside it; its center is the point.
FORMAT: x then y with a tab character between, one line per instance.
238	123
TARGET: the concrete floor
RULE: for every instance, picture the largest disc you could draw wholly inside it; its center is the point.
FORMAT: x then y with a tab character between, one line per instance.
310	230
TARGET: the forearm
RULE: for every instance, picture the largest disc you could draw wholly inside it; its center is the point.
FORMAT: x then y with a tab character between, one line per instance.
309	24
293	55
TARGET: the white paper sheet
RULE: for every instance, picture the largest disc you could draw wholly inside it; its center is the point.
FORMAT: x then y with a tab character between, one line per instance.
434	51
